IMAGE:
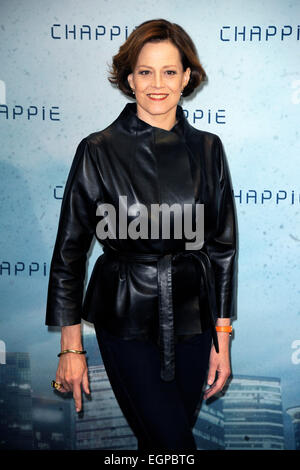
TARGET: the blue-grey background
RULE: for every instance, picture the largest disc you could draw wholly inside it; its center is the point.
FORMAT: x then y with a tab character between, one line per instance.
254	84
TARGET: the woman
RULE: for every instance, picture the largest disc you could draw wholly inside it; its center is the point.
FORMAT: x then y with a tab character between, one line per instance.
161	311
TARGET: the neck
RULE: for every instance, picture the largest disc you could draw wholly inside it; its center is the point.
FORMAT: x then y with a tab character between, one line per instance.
163	121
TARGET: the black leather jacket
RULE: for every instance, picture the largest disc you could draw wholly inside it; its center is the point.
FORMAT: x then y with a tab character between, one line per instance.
146	286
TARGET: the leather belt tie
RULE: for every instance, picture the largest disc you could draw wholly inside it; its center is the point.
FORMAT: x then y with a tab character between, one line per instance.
165	300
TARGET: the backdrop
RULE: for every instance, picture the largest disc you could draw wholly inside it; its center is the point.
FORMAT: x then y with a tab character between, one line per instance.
53	92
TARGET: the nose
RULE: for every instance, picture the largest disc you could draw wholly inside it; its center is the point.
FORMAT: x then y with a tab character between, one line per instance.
157	80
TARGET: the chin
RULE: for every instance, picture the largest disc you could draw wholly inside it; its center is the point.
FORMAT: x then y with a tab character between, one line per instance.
160	107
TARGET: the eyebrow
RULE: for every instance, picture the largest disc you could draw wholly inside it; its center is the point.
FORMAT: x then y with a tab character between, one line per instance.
149	66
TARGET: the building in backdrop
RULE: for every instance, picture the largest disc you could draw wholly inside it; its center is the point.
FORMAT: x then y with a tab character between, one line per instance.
209	427
253	417
294	413
16	402
53	423
90	344
102	424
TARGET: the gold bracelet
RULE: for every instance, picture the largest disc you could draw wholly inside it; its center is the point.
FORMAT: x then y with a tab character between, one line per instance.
65	351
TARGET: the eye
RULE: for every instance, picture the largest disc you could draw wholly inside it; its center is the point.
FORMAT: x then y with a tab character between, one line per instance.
171	72
144	72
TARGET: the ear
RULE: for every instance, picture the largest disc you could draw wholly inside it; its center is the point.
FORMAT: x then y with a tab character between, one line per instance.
130	81
187	75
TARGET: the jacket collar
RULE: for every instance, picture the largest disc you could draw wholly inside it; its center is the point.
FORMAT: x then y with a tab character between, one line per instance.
133	124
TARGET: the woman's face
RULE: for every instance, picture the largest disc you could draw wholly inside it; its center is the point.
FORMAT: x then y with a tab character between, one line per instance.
157	80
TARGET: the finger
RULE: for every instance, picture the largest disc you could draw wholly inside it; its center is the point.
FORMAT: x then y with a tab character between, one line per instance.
211	391
64	386
62	390
67	385
85	383
58	386
77	396
211	374
216	387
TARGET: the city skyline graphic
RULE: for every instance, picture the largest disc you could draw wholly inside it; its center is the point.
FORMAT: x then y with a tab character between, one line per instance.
250	416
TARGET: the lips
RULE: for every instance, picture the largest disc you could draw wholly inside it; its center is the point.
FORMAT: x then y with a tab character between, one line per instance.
157	96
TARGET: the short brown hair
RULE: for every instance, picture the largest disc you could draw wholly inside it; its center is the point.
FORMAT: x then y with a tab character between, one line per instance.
155	31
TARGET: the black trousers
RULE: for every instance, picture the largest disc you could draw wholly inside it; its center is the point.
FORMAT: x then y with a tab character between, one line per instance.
160	414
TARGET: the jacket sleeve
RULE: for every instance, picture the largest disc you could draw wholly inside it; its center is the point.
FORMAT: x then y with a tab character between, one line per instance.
76	227
223	245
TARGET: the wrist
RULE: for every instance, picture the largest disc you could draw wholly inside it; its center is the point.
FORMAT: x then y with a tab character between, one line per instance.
69	344
71	337
223	321
224	331
71	351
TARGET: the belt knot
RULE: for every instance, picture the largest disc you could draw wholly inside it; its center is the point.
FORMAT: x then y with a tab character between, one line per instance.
165	297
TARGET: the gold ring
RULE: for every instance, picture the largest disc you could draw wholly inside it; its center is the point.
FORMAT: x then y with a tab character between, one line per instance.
56	385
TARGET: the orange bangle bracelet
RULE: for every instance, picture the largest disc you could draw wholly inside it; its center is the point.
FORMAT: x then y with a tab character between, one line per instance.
224	329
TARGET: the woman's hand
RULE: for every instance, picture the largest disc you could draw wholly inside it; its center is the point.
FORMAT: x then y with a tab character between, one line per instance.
219	366
72	371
